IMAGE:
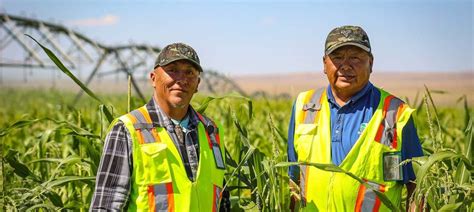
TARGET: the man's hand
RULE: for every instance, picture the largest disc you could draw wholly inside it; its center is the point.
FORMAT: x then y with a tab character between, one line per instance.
411	204
294	194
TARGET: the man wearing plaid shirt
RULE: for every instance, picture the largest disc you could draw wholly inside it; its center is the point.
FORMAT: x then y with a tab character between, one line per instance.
164	155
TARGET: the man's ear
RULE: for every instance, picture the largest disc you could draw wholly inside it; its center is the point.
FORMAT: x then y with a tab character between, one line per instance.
197	86
371	61
324	64
153	77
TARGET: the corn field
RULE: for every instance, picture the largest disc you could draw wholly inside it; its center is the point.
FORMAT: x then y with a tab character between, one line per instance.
51	149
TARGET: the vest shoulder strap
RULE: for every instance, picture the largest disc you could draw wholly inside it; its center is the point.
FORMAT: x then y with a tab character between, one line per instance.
212	134
143	125
210	126
387	132
312	106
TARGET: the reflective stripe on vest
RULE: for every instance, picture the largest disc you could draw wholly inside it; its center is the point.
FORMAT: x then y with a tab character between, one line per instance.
367	200
217	198
303	183
144	127
161	197
387	132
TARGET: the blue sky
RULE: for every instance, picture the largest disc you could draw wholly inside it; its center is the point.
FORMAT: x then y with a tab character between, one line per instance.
252	37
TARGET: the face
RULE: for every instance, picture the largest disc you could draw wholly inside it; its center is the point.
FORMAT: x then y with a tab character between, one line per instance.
175	83
348	69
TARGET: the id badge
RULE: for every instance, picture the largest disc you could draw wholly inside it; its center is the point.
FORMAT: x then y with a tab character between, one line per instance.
392	170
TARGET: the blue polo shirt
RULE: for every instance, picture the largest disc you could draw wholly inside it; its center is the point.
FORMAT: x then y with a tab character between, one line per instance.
348	121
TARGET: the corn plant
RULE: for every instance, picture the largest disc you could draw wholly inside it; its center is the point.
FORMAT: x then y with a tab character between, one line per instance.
51	149
444	175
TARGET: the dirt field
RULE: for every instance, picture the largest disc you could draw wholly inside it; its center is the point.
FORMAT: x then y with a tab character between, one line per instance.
401	84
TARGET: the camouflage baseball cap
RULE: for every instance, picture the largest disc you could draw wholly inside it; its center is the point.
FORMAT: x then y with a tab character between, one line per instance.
175	52
347	35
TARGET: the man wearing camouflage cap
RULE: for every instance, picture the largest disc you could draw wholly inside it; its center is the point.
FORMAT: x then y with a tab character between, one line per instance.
164	156
354	125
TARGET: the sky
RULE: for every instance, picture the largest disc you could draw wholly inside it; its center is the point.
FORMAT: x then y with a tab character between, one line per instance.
265	37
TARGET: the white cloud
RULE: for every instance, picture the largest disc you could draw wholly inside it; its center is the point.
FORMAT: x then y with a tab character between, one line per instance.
101	21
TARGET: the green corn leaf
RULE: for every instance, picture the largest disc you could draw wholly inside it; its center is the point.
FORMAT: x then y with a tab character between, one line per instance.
75	133
231	188
467	111
73	159
17	125
66	179
107	113
54	198
75	205
244	179
432	201
419	107
322	166
438	157
50	160
229	160
246	157
40	206
65	70
73	129
334	168
462	174
241	130
19	168
257	173
276	131
93	152
433	105
204	104
250	106
451	207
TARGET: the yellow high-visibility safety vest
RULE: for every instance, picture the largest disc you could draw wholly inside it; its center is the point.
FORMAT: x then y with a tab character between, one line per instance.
371	158
159	181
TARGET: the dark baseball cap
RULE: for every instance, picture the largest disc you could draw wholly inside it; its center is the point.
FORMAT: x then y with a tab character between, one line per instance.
175	52
347	35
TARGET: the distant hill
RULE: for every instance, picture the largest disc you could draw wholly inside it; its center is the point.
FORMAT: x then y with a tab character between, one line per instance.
402	84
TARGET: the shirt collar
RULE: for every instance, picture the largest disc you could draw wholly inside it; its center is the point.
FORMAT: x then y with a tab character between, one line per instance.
160	119
354	98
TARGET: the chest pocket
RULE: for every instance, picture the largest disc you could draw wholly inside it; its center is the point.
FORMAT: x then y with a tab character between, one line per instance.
155	165
306	130
305	136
